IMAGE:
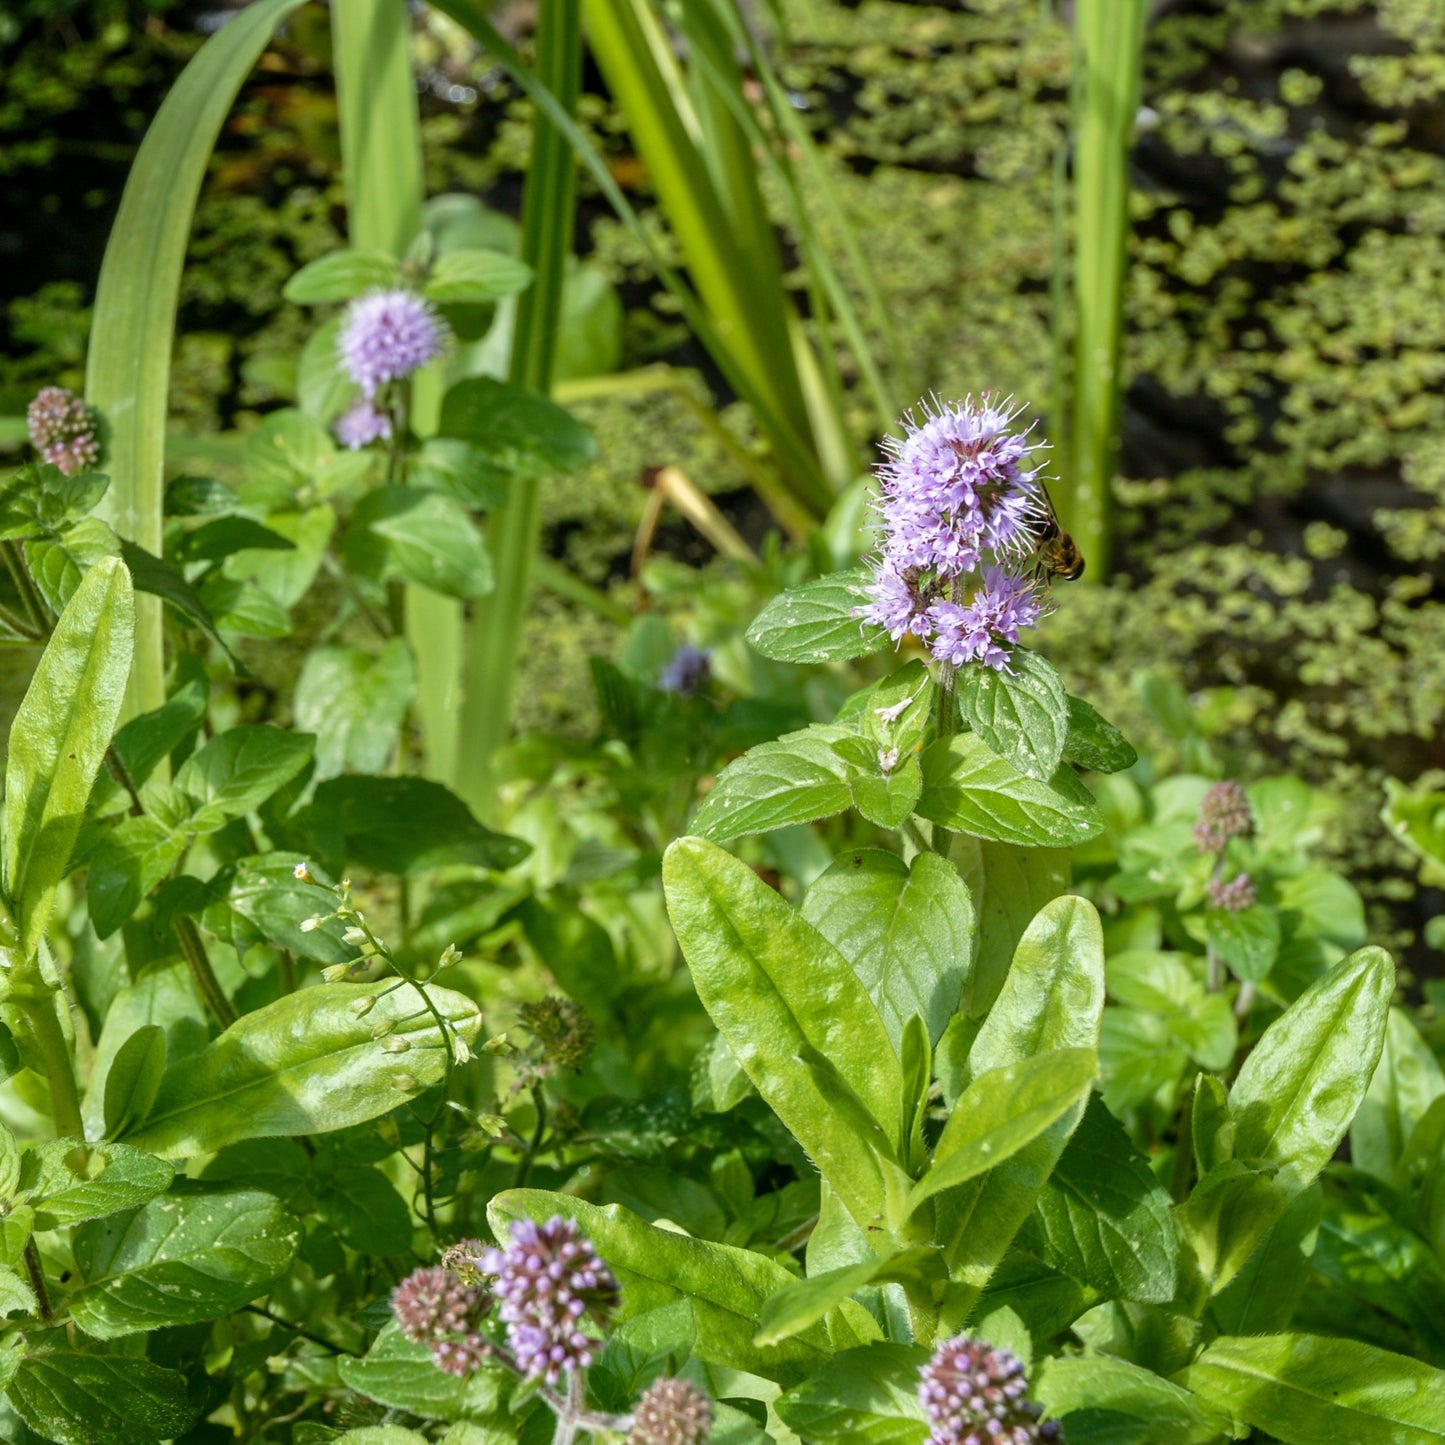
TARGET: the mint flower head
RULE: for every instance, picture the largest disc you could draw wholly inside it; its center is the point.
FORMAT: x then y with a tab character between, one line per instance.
548	1280
974	1394
960	494
62	430
362	425
1235	896
671	1412
387	335
437	1306
1223	814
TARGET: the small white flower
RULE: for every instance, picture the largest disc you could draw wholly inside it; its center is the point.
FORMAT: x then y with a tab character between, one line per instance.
301	873
450	955
461	1050
887	760
335	972
354	936
310	925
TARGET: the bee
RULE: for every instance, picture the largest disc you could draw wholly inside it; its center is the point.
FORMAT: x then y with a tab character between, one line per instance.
1057	554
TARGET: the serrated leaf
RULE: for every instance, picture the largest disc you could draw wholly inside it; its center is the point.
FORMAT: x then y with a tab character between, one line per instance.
399	1374
516	428
1093	742
69	1182
1104	1219
476	275
238	770
341	276
407	534
797	779
968	788
866	1395
1021	712
188	1256
80	1398
818	622
128	862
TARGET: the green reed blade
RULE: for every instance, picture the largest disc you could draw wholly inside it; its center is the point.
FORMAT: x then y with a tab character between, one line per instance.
128	366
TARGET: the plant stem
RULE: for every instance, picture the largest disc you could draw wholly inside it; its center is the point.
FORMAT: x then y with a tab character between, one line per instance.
35	608
37	1278
121	774
534	1145
1183	1149
947	721
41	1011
194	952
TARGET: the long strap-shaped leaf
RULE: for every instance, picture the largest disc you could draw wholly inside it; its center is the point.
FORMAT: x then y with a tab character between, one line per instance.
129	365
59	738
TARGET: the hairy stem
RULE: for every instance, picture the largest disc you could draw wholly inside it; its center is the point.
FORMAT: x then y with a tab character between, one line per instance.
947	720
42	1014
37	1278
193	950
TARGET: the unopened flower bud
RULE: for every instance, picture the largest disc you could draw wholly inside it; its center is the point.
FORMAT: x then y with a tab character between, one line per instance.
1223	814
382	1027
403	1083
450	954
363	1006
310	925
671	1412
335	972
396	1044
355	937
461	1050
1234	896
62	430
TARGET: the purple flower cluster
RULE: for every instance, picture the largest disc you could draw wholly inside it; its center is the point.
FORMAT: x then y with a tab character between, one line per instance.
1223	814
671	1412
387	335
688	669
1234	896
960	493
436	1306
974	1395
548	1279
62	430
362	425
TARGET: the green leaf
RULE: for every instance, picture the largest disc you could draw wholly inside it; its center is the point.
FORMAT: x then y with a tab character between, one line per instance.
1066	1384
355	704
1094	743
968	788
1054	993
9	1162
401	1375
59	737
133	1079
1009	885
191	1255
128	862
1407	1080
472	275
797	779
323	388
407	534
406	826
806	1301
145	740
238	770
267	893
1296	1093
1103	1218
1021	712
58	563
1004	1110
516	428
1052	999
906	929
76	1398
361	1204
133	328
818	622
306	1064
1304	1389
463	472
1262	1258
866	1395
1226	1215
1211	1127
1248	941
727	1287
341	276
773	985
150	574
68	1182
